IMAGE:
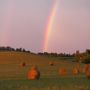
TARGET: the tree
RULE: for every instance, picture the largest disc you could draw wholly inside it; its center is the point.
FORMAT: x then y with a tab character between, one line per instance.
87	57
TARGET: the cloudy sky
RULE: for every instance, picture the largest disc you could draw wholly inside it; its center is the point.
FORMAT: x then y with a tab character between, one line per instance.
23	24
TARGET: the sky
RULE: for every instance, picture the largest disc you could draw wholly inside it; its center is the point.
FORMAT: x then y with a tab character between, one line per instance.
23	24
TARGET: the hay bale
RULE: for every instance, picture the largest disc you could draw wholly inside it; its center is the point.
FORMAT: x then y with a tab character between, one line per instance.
34	74
23	64
84	69
88	71
62	71
51	63
88	74
78	67
75	71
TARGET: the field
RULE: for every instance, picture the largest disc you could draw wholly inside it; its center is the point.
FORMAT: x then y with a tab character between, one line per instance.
13	76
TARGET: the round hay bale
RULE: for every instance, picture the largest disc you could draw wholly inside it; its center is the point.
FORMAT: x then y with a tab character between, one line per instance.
34	74
88	71
23	64
51	63
62	71
75	71
84	69
78	67
88	74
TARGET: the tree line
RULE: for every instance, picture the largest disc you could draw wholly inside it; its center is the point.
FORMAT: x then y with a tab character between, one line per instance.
83	57
79	57
56	54
8	48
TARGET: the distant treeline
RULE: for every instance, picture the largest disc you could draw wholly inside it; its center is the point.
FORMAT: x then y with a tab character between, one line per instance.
56	54
79	57
8	48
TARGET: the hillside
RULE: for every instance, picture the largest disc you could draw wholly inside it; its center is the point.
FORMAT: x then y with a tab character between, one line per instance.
13	75
11	64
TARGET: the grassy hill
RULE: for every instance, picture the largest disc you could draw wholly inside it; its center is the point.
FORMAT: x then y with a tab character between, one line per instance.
13	76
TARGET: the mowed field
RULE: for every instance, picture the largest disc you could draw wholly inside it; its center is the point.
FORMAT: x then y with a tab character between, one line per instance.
13	76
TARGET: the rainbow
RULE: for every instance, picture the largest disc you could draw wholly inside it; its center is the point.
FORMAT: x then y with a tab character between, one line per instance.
50	26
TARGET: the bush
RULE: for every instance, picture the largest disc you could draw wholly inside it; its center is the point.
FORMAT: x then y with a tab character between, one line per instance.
87	59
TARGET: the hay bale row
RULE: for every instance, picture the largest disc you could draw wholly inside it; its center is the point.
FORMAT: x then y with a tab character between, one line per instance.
34	73
63	71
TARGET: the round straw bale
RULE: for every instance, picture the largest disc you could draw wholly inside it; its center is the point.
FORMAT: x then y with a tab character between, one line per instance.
23	64
88	71
62	71
78	67
84	69
33	74
51	63
75	71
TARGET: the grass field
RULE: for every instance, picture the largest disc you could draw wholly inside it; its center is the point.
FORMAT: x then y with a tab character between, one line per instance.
14	77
